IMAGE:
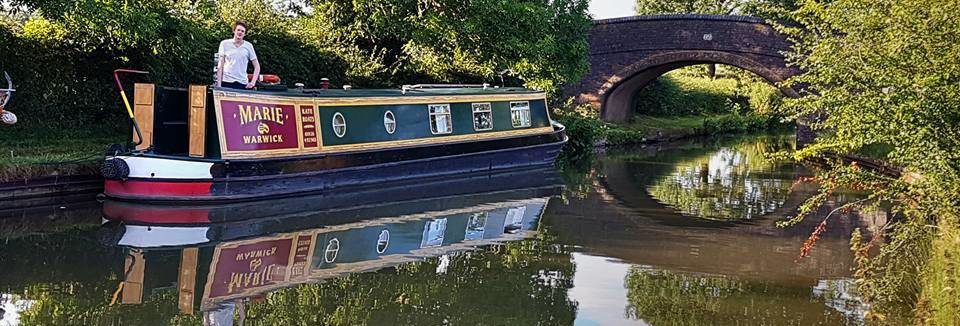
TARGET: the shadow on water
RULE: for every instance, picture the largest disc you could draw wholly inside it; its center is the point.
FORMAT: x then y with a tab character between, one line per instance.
681	234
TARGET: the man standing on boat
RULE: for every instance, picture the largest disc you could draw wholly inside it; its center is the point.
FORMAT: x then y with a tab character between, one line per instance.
234	54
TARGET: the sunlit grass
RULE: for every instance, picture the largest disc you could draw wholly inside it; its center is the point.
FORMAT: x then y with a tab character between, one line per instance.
650	125
941	293
28	151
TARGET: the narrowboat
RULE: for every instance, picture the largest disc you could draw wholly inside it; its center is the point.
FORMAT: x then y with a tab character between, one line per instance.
233	252
219	144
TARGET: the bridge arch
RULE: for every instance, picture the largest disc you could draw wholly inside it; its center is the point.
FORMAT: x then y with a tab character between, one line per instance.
628	53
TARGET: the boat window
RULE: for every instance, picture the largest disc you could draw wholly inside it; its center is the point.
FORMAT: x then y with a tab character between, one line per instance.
389	122
339	124
520	114
440	122
482	116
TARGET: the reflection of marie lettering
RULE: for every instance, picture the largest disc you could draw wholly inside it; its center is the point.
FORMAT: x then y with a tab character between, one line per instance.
260	113
252	279
256	254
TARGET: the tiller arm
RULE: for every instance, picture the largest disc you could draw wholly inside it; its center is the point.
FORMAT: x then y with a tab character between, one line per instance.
126	103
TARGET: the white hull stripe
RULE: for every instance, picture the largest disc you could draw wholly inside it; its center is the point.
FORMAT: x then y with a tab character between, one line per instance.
160	168
156	236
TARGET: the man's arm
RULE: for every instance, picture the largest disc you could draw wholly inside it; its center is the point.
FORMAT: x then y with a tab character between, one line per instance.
220	71
256	73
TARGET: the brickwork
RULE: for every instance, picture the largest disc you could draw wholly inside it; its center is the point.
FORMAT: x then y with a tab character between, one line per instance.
627	53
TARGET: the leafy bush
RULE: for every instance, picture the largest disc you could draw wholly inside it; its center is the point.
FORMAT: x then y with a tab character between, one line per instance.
61	53
584	132
734	123
687	92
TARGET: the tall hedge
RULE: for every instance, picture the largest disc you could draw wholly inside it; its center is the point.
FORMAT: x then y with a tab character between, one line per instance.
61	53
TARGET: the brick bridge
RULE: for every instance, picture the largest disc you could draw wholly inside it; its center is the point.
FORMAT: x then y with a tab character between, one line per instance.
628	53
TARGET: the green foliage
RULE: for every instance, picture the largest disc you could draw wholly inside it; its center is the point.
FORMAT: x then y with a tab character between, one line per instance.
662	297
884	74
776	10
686	92
735	123
582	126
731	184
517	283
70	277
718	7
62	53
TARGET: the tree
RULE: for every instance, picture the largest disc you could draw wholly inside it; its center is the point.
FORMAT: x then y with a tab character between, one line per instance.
885	74
66	50
457	41
715	7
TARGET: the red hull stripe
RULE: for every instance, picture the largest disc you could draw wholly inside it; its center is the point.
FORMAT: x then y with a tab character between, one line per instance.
155	215
156	188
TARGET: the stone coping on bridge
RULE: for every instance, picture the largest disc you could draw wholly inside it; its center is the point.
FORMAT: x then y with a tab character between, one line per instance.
729	18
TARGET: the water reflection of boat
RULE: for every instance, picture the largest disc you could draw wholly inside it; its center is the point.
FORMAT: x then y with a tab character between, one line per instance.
302	240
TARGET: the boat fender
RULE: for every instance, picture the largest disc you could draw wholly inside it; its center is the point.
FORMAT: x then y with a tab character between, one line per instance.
115	169
8	117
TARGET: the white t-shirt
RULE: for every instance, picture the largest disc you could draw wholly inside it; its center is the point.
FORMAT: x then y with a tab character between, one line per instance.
235	60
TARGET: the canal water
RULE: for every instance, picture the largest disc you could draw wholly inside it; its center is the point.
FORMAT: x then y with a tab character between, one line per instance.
677	234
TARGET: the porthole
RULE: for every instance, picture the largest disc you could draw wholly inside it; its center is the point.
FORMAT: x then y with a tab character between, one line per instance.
383	241
389	122
339	124
333	247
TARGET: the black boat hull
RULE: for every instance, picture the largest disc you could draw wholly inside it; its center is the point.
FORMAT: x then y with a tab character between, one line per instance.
155	178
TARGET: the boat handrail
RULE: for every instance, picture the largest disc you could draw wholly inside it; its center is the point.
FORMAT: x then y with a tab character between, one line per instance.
406	88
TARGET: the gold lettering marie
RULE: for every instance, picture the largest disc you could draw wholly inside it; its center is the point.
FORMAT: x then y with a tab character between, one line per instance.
260	113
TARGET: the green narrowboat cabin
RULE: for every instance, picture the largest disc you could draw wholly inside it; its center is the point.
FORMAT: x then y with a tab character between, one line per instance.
221	144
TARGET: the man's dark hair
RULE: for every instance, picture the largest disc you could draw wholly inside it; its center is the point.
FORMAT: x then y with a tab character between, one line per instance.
240	23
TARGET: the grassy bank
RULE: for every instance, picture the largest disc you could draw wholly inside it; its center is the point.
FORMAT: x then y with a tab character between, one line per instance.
940	299
654	129
32	150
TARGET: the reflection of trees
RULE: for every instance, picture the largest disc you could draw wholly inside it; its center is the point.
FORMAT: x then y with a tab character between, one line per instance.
732	183
522	283
519	283
69	278
87	304
669	298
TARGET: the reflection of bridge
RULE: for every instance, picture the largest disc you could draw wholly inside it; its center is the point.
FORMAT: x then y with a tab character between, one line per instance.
628	53
620	219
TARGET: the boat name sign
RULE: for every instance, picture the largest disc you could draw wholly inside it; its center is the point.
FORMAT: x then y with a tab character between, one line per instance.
255	126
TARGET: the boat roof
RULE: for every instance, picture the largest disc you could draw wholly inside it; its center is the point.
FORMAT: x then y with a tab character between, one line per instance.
389	92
